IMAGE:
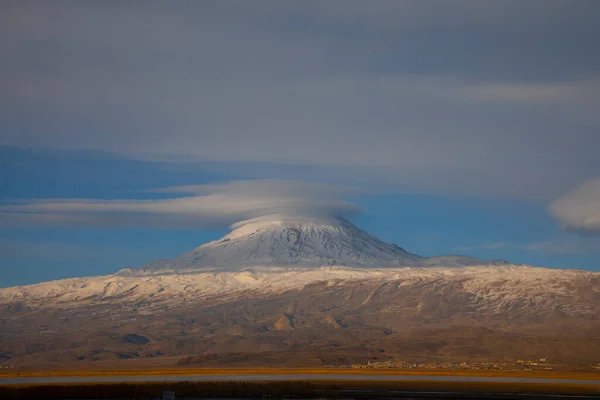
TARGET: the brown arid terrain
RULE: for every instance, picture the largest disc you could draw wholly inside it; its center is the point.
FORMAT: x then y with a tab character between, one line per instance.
320	324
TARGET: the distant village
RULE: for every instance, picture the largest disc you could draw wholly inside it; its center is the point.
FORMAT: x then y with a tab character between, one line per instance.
541	364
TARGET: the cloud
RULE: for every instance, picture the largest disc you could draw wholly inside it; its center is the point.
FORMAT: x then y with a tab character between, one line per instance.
544	93
411	93
580	247
579	210
215	204
487	246
44	250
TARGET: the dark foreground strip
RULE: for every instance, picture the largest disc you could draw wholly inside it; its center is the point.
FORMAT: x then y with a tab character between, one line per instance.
306	390
290	378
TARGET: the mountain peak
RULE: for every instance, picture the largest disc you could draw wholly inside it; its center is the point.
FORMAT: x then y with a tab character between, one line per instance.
289	241
298	242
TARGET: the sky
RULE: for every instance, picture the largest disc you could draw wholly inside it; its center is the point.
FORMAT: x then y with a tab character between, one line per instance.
137	130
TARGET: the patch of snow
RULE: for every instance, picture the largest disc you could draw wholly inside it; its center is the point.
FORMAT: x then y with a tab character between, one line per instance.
493	288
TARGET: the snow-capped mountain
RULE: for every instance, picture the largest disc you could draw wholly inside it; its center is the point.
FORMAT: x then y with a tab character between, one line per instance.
282	285
283	241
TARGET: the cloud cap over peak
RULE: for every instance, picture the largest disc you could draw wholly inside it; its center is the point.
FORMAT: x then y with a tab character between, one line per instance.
215	204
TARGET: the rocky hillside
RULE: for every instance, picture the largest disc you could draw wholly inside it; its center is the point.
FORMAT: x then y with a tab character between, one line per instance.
329	313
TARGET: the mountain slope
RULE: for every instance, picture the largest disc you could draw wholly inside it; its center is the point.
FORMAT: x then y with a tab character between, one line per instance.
457	314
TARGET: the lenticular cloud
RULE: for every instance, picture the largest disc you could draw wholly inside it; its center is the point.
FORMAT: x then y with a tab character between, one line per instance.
199	205
580	209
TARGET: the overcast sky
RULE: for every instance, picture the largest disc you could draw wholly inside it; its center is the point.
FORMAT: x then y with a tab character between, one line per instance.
454	99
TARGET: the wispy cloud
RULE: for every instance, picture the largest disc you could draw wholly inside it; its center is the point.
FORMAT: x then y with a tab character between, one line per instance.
211	204
543	93
576	246
46	250
580	247
487	246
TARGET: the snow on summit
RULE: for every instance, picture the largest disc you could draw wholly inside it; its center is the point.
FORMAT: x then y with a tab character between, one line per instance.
278	240
291	241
